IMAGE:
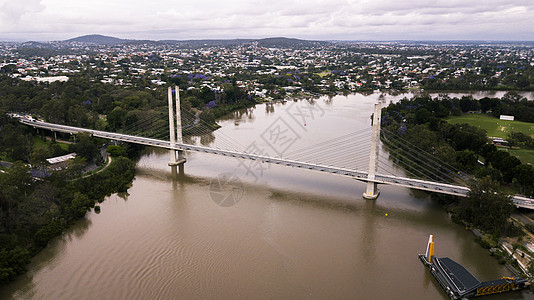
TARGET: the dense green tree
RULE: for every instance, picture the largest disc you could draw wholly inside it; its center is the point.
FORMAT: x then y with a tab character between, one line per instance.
486	206
48	231
54	111
422	115
116	118
467	159
18	178
131	119
17	141
487	104
78	116
463	136
466	103
85	146
13	258
116	150
104	103
132	102
489	171
504	162
520	139
442	110
39	208
524	175
56	150
486	149
15	187
38	157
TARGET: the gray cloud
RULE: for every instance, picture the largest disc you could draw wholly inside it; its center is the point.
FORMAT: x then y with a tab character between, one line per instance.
11	12
319	19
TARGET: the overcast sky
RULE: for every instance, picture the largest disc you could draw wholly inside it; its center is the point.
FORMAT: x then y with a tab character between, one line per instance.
42	20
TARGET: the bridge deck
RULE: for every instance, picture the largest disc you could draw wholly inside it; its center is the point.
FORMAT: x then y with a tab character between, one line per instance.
418	184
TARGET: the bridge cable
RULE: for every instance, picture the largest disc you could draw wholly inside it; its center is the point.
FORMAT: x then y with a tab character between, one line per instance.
435	160
424	163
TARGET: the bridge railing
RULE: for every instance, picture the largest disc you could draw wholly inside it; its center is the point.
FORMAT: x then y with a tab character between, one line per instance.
431	186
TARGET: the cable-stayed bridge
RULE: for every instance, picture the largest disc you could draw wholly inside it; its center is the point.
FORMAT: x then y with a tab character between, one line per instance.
347	155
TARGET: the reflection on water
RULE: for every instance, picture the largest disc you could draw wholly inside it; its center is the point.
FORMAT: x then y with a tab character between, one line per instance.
269	108
207	139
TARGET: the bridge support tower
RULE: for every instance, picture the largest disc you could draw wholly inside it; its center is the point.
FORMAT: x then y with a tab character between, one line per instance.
372	191
177	155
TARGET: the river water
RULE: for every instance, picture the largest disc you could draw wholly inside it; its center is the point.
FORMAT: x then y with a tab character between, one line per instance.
230	229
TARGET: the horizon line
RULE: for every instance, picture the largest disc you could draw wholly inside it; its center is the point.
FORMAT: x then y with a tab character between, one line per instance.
269	37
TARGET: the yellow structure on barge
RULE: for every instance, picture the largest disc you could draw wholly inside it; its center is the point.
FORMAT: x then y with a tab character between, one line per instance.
459	283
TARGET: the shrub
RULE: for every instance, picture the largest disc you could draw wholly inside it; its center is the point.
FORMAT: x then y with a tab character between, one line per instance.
116	151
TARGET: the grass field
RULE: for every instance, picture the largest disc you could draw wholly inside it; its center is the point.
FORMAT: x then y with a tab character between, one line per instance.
493	126
325	73
39	143
525	156
499	128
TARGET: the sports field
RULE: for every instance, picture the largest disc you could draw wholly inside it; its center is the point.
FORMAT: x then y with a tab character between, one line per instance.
525	156
493	126
499	128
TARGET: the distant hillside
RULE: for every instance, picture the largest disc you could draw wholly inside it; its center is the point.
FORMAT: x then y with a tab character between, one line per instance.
97	39
267	42
288	42
201	43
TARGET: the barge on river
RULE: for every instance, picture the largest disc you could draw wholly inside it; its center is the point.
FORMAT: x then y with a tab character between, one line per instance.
459	283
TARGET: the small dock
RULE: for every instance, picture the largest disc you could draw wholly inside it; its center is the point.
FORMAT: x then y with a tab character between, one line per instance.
459	283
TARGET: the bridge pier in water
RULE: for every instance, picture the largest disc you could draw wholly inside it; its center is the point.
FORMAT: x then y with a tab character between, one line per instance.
177	158
372	191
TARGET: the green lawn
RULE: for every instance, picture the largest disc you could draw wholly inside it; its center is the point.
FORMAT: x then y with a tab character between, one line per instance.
525	156
40	143
493	126
325	73
499	128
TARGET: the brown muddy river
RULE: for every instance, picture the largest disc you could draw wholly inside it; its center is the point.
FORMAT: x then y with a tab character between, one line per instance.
285	234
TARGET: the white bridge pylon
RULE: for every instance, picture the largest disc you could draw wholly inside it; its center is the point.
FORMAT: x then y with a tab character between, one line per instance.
372	191
175	132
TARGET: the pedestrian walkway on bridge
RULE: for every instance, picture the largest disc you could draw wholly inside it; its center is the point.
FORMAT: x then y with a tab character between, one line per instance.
363	155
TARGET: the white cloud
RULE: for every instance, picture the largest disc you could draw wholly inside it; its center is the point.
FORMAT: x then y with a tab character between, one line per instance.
11	12
319	19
